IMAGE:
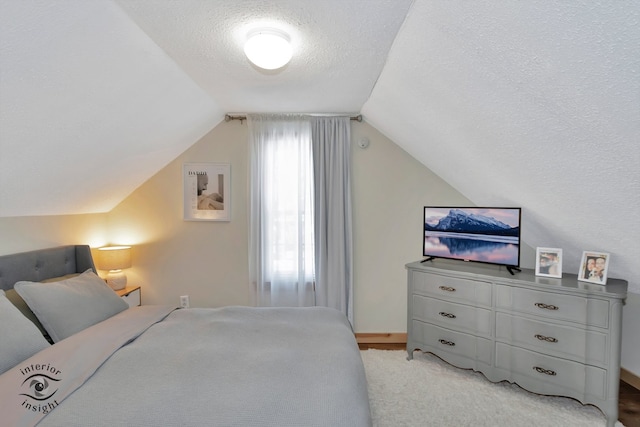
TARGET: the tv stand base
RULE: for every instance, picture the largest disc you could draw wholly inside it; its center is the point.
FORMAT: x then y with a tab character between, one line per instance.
511	268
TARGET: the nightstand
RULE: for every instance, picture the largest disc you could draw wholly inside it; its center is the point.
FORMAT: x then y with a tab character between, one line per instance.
131	295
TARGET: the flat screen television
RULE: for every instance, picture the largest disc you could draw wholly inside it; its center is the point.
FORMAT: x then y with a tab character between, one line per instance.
489	235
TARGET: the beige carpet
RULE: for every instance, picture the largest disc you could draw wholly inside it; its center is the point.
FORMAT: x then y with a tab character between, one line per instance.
429	392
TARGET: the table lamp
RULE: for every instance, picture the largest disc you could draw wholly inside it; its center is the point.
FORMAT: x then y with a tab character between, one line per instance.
115	259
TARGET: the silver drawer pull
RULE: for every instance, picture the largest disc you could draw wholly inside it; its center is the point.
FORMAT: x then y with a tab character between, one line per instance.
449	315
547	339
546	306
445	342
447	288
544	371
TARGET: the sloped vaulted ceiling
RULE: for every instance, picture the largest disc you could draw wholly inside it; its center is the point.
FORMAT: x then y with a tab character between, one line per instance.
533	104
339	48
96	96
90	107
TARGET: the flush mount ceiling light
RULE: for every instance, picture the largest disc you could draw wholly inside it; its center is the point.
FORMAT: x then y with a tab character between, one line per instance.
268	48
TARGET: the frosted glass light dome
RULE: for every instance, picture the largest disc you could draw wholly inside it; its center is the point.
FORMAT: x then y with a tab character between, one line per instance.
269	49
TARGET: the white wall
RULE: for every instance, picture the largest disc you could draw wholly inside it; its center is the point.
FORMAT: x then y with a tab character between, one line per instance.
208	260
389	190
631	334
20	234
173	257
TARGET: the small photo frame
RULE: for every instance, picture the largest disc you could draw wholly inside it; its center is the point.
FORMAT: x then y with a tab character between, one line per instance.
207	195
549	262
594	267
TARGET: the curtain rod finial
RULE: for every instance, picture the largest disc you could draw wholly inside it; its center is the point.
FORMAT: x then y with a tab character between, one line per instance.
229	117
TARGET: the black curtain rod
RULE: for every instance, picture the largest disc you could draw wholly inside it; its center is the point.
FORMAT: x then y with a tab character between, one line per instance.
229	117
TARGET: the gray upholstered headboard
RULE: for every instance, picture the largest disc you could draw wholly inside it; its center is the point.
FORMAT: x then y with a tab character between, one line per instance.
43	264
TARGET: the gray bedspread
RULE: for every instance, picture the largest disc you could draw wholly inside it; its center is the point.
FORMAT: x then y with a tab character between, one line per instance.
234	366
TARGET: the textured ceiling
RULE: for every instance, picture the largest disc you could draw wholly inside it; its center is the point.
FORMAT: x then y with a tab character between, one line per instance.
339	49
533	104
113	91
90	107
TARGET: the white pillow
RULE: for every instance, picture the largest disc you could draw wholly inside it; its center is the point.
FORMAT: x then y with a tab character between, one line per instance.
21	339
69	306
17	300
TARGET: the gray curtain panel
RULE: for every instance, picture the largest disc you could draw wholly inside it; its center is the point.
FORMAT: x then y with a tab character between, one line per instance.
331	145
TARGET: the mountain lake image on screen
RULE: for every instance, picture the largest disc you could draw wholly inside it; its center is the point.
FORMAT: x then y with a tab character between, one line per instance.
489	235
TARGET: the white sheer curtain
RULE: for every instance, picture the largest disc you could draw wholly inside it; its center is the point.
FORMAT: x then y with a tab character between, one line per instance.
281	248
333	230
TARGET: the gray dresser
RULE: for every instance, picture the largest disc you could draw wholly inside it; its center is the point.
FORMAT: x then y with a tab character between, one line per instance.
549	335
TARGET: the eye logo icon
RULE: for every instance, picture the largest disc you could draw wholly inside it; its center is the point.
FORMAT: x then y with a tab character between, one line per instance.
41	387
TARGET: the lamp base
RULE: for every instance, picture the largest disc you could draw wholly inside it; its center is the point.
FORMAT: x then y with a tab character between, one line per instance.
116	279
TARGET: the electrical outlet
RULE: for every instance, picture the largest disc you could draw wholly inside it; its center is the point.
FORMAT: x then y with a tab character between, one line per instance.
184	301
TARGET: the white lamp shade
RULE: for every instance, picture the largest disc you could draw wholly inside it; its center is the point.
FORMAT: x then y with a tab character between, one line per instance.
114	257
269	49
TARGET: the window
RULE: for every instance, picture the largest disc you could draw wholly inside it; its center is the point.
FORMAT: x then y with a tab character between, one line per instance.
300	185
288	207
282	246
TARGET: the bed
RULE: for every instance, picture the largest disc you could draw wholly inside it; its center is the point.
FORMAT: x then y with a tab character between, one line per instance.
156	365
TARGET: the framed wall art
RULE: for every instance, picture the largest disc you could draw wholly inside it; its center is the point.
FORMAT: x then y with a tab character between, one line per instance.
207	195
549	262
594	267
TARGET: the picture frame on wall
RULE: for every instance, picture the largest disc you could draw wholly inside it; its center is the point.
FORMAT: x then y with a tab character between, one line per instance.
594	267
549	262
207	195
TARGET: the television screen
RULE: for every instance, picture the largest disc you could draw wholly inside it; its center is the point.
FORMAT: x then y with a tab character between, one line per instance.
489	235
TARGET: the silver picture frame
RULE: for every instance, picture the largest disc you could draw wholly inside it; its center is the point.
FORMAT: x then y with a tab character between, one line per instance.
594	267
549	262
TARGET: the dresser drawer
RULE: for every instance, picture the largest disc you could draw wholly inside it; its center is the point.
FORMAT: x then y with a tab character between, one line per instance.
452	315
589	311
461	290
552	336
546	371
565	341
458	343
